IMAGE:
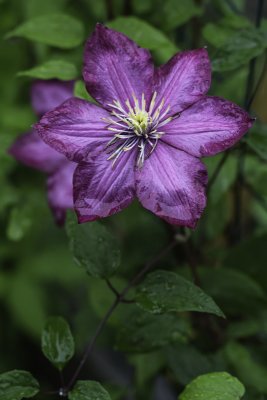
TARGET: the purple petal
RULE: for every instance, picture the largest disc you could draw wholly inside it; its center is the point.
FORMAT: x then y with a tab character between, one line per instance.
115	68
183	80
33	152
208	127
172	185
101	190
74	128
60	190
47	95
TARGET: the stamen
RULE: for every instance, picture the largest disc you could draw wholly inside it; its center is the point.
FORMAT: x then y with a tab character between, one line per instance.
152	103
136	127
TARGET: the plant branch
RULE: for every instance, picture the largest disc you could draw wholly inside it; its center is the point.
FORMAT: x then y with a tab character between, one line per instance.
120	298
109	7
217	170
238	199
189	250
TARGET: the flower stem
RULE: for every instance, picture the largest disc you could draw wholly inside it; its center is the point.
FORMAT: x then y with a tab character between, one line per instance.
120	298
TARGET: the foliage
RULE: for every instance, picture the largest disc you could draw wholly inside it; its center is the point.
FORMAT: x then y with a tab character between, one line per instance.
196	325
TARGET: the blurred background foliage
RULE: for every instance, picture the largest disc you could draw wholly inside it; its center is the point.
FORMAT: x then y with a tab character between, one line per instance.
139	355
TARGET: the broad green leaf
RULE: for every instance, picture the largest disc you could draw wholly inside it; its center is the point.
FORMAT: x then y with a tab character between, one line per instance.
214	386
174	13
239	50
81	92
88	390
165	291
257	140
245	328
233	290
218	34
54	69
225	179
57	30
57	342
94	248
247	369
164	53
34	8
242	257
17	385
141	32
140	333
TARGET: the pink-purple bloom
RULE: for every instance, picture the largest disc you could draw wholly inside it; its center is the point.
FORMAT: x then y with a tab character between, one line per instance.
31	150
147	133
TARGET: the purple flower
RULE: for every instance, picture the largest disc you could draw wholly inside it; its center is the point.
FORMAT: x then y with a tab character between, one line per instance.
32	151
145	137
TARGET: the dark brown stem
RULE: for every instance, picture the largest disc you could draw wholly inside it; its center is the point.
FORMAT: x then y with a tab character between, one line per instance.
189	250
92	342
112	288
120	298
109	7
238	198
217	170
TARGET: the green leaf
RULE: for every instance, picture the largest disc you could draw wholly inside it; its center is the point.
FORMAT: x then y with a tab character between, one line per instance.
54	69
218	34
57	30
88	390
247	369
165	291
57	342
19	223
16	385
257	140
233	290
226	177
81	92
239	50
214	386
175	13
94	248
242	257
34	8
139	331
141	32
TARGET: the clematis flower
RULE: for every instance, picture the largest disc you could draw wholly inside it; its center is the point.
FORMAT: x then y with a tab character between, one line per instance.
31	150
147	133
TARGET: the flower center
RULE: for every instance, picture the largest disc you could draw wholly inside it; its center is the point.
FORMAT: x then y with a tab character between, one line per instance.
136	126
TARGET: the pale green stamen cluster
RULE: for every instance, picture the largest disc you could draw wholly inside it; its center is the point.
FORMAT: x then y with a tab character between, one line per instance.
136	125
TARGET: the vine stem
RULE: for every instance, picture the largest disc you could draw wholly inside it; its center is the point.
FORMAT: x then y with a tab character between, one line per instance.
120	297
238	198
247	102
217	170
